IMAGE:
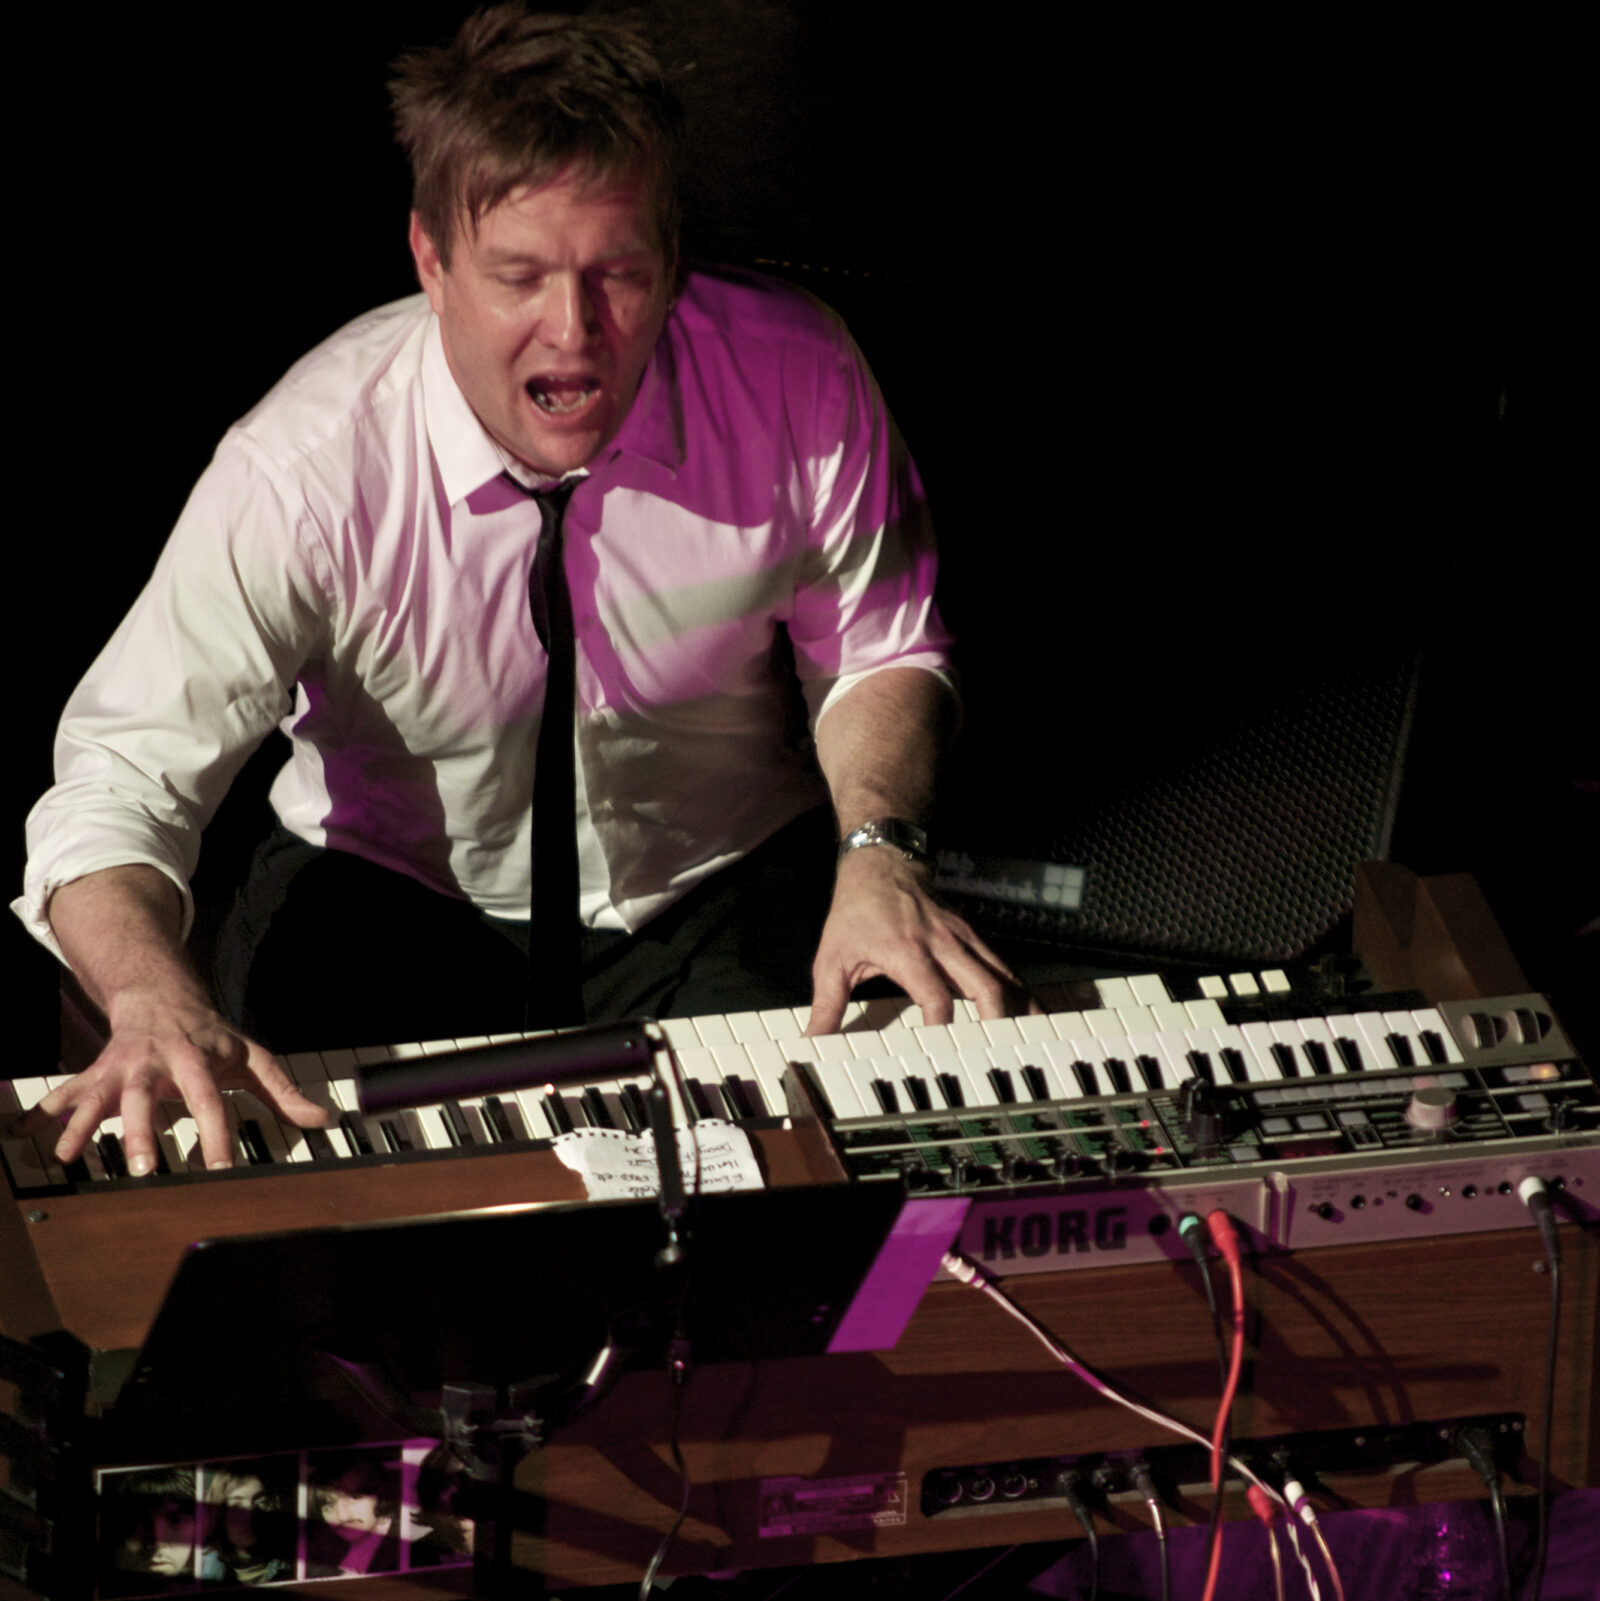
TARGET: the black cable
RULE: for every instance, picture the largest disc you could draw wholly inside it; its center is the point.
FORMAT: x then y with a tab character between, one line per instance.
1537	1199
678	1366
1477	1446
1146	1486
1069	1488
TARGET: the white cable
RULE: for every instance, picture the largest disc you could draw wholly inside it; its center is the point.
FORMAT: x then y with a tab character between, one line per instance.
968	1272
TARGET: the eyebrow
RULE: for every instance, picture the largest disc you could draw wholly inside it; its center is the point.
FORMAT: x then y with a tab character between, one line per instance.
495	257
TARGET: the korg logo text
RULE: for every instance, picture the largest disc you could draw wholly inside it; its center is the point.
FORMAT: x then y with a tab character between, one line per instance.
1044	1233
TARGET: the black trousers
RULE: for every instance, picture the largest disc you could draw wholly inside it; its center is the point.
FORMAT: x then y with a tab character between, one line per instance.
323	949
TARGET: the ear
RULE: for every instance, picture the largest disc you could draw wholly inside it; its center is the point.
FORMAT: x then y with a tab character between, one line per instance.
430	268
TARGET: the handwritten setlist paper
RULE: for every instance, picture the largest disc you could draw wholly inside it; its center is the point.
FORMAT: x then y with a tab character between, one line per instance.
615	1165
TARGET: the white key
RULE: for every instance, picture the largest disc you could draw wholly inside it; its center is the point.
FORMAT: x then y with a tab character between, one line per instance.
968	1036
714	1030
1015	1058
747	1027
699	1065
887	1011
31	1159
1429	1018
834	1076
1040	1026
1137	1019
933	1037
1151	1046
866	1043
1214	987
1114	992
1405	1025
1171	1016
1002	1031
1063	1053
1205	1014
1105	1024
784	1023
1315	1030
1258	1068
950	1064
833	1048
920	1069
680	1032
768	1063
1275	981
1150	989
1370	1032
1243	984
1259	1062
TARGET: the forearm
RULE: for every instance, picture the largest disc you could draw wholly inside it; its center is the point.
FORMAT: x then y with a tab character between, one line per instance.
881	746
120	929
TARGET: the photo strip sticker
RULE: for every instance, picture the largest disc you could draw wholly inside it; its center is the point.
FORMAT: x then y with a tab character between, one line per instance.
242	1522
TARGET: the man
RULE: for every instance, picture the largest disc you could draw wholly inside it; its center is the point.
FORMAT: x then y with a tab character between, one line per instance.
712	467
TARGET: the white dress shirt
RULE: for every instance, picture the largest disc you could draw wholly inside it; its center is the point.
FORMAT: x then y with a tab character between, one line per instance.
353	568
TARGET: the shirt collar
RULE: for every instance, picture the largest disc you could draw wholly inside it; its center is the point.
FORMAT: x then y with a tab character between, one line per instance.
468	458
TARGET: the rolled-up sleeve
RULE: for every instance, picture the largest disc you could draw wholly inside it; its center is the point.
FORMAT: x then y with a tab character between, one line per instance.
865	600
199	671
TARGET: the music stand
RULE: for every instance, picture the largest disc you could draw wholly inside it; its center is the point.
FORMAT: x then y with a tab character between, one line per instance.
513	1305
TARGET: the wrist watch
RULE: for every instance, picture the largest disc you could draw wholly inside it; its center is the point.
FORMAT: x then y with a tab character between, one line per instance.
907	838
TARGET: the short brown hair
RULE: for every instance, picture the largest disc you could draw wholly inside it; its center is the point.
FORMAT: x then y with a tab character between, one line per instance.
517	97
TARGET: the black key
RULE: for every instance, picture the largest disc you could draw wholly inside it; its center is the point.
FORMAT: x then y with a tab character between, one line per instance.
556	1110
394	1134
1149	1071
1201	1063
595	1108
503	1119
1233	1061
1038	1084
253	1144
1117	1072
1433	1044
1000	1083
951	1086
112	1157
1349	1053
77	1171
1284	1056
1084	1073
320	1146
917	1089
355	1130
634	1111
743	1101
706	1101
884	1090
456	1124
1401	1047
1317	1055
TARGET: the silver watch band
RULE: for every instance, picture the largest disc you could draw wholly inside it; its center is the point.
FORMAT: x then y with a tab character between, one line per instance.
903	836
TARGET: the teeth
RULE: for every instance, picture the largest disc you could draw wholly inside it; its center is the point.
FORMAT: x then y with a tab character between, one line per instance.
561	400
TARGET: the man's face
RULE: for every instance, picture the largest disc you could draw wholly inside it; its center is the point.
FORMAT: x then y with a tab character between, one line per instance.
246	1499
348	1506
164	1543
550	311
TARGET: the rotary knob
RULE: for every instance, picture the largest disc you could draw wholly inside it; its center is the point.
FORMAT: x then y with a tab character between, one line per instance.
1432	1110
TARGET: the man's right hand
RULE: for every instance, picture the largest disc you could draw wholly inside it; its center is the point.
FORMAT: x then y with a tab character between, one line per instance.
119	928
165	1052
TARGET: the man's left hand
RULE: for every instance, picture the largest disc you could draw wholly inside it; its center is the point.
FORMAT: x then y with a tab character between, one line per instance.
884	920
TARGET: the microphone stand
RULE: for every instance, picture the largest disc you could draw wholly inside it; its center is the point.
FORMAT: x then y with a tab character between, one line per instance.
490	1428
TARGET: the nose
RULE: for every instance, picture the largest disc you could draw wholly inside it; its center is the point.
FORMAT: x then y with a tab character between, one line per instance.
568	313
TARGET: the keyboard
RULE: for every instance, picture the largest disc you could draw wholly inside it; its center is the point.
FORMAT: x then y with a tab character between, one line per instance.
1114	1037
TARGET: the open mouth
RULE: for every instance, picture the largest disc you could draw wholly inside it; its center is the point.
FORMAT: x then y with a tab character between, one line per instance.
561	397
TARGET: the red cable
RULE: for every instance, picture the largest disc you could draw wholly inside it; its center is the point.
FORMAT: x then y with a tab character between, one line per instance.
1226	1241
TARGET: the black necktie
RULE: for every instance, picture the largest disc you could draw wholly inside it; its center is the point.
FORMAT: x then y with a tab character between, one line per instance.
555	982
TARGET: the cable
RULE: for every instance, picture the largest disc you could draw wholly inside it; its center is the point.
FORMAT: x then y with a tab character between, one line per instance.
1476	1444
1191	1230
678	1366
1268	1513
969	1273
1069	1487
1537	1200
1295	1497
1146	1486
1226	1239
1301	1505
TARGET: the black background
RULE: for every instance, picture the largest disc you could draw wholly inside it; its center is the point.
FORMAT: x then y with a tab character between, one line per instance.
1220	353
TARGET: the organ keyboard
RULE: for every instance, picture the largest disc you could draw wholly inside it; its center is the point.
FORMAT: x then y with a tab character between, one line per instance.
1125	1102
